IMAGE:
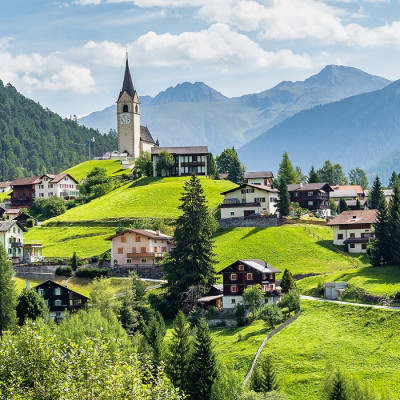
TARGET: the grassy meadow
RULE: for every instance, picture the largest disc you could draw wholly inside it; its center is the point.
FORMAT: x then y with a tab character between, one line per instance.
363	342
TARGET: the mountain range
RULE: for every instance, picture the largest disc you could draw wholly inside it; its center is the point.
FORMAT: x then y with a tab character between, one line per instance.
196	114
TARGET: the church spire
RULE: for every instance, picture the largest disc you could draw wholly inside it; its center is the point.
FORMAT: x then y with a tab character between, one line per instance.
127	85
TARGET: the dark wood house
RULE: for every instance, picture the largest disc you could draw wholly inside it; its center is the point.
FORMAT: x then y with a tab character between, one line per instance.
245	273
313	196
23	191
60	299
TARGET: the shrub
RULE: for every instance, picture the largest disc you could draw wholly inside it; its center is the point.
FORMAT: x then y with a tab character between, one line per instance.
239	313
194	316
94	259
64	271
92	273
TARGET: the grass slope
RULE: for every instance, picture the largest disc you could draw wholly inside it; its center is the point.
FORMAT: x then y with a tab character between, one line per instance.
363	342
113	168
4	195
148	197
288	246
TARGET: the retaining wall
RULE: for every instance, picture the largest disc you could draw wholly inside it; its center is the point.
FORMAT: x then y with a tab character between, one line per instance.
249	222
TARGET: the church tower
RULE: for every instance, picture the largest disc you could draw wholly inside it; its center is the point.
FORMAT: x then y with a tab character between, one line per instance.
128	114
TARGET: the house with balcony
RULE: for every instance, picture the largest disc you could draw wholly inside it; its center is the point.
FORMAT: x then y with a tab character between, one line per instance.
60	300
353	228
188	160
263	178
139	247
12	238
312	196
61	185
249	199
245	273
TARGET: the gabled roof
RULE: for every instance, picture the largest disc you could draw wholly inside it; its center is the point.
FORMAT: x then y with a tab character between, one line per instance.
261	174
57	178
258	265
5	226
145	135
144	232
343	193
3	185
261	187
354	217
357	188
127	85
309	186
186	150
31	180
61	286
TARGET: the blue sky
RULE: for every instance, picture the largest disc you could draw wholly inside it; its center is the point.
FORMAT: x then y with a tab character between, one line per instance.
69	54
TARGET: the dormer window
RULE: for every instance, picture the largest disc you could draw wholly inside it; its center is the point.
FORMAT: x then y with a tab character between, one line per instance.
240	267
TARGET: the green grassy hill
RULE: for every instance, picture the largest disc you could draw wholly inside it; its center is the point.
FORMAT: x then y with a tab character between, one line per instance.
113	168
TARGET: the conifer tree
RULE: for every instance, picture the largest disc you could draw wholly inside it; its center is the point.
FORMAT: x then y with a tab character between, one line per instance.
343	206
283	204
394	224
180	353
286	170
269	381
358	205
376	194
393	179
8	296
155	339
313	176
203	371
288	282
235	172
338	388
191	262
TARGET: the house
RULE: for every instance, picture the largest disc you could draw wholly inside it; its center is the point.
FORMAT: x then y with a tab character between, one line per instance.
333	290
5	187
60	300
248	199
313	196
355	188
32	251
263	178
12	213
212	298
23	191
350	193
245	273
61	185
22	218
188	160
388	193
12	238
353	228
139	247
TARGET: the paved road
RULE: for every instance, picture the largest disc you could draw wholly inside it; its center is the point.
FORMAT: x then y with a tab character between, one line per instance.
350	304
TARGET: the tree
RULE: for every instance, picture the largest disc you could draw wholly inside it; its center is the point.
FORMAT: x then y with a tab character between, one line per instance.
358	176
337	387
332	174
376	194
394	225
333	206
313	176
97	183
253	298
191	262
286	170
155	339
8	297
358	205
235	171
102	297
394	178
264	377
165	162
180	353
203	372
74	261
271	314
239	313
212	171
143	164
228	163
301	178
290	300
48	208
30	306
283	204
343	206
288	282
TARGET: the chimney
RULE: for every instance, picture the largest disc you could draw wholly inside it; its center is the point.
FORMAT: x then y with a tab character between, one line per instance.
301	184
157	232
66	283
27	284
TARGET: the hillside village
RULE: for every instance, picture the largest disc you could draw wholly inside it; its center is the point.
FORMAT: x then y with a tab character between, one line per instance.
292	265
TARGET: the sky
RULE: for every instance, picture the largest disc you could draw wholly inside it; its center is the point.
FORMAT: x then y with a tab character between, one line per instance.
69	55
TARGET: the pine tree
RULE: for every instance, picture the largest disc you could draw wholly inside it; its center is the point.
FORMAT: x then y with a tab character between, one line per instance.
155	339
203	371
376	194
338	388
269	380
212	167
313	176
180	353
283	204
358	205
288	282
393	180
394	225
8	296
191	262
74	262
343	206
235	171
286	170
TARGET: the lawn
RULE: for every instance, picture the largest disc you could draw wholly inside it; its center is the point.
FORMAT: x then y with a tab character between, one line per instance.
363	342
63	241
148	197
288	246
4	195
113	168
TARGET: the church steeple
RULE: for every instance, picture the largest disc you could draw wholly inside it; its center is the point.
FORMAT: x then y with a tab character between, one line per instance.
127	85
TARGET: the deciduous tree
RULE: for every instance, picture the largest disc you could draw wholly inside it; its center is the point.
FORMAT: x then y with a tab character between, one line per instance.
30	306
165	162
253	298
144	165
357	176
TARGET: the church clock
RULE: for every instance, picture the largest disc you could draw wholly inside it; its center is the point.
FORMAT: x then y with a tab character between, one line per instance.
125	118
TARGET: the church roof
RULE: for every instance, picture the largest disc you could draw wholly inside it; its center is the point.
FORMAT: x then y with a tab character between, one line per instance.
145	135
127	85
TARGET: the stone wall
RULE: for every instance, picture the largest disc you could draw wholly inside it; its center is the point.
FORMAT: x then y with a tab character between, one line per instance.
144	271
37	272
248	222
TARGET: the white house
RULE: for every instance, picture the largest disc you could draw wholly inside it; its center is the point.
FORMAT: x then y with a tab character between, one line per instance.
5	187
61	185
264	178
12	238
353	228
248	199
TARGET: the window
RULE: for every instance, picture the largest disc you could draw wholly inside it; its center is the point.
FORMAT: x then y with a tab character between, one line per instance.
251	190
259	200
310	193
41	194
57	291
233	277
273	199
352	245
264	277
41	186
133	249
233	301
243	191
249	276
129	261
265	287
71	302
50	186
155	249
143	249
123	239
233	289
340	236
232	213
125	108
352	235
310	203
296	194
79	301
240	267
137	238
120	250
46	302
163	249
50	194
143	260
58	303
41	292
364	246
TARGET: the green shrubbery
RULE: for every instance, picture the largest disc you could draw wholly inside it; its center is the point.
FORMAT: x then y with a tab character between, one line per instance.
64	271
86	272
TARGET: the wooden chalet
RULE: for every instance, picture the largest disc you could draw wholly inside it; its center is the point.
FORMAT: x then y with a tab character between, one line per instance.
60	300
245	273
23	191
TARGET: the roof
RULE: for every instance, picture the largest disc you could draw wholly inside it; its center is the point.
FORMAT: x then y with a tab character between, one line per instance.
356	240
258	265
261	174
127	85
357	188
4	184
207	299
26	181
261	187
353	203
6	225
57	178
386	192
353	217
145	134
343	193
144	232
181	150
61	286
13	211
309	186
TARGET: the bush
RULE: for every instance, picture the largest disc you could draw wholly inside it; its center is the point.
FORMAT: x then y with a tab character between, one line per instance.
92	273
64	271
94	259
194	316
239	313
161	304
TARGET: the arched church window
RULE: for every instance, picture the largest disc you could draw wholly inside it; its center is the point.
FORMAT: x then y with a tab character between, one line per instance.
125	108
136	109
